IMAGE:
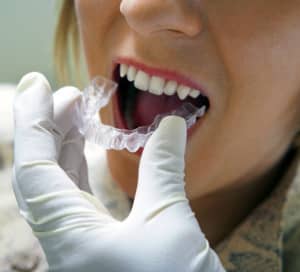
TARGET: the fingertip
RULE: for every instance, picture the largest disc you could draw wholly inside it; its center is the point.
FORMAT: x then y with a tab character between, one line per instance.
173	123
68	93
65	107
170	136
173	129
32	93
31	79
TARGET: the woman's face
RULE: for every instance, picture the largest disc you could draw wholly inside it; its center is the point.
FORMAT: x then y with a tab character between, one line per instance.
244	54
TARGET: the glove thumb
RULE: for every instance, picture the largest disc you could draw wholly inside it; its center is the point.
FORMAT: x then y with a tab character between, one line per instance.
161	171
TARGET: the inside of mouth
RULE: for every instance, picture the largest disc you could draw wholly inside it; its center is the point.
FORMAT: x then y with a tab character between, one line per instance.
140	108
97	96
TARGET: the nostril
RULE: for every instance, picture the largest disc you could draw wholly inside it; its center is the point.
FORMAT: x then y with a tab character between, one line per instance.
194	28
131	9
149	16
122	7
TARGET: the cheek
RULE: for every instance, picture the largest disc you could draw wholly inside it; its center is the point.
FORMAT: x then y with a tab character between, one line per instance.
260	118
239	146
259	46
96	20
96	17
96	11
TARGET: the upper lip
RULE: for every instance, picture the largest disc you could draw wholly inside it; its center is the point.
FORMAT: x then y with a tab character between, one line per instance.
167	74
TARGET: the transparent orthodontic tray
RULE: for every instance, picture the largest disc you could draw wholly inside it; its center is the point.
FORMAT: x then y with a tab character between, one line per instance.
96	96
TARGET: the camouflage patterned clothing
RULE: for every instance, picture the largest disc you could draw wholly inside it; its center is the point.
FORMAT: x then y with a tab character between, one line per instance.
268	240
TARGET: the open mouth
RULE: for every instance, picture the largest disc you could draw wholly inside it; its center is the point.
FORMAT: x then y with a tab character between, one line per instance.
141	97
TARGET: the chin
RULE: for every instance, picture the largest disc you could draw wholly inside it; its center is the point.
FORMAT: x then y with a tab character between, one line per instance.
127	188
123	167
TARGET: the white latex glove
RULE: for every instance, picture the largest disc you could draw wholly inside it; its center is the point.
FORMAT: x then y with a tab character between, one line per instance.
75	230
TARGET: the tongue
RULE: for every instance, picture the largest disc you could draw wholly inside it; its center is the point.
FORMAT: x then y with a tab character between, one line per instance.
149	105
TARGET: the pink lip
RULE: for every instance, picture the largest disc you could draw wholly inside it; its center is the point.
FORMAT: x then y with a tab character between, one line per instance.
165	73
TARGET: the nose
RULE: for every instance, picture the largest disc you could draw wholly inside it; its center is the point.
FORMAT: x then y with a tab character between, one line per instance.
149	16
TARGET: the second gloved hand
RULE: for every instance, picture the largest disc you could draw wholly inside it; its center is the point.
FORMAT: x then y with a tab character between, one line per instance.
75	230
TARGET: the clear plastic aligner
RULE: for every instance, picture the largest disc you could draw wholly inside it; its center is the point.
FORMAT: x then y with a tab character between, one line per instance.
96	96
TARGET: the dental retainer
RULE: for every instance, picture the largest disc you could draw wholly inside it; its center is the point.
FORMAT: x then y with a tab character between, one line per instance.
96	96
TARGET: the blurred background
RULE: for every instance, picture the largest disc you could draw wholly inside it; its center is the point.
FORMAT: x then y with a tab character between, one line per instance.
27	31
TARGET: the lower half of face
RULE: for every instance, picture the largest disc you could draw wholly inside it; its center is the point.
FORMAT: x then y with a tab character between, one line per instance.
244	59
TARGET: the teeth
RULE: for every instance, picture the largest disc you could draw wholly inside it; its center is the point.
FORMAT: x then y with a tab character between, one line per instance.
170	87
195	93
183	92
123	70
156	85
142	81
131	73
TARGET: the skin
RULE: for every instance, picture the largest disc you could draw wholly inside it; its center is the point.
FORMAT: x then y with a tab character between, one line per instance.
246	55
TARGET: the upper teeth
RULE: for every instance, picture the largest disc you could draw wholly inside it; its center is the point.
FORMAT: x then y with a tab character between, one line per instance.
156	85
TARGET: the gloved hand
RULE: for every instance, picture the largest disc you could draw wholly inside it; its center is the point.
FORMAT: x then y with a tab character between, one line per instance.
76	231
